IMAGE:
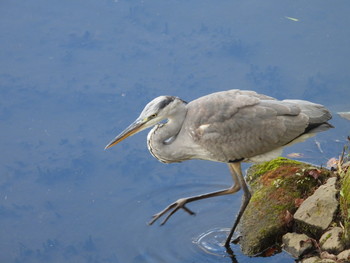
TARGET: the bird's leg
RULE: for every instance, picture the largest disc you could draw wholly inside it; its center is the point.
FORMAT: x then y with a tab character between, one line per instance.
174	207
236	171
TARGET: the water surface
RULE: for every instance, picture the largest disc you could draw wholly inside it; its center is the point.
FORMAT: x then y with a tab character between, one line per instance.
75	73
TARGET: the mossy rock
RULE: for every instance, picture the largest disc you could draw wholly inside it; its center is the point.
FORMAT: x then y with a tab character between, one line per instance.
256	170
276	187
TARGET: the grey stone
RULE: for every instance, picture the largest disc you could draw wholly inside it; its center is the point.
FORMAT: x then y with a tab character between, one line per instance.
344	256
328	256
331	240
311	260
296	244
317	260
316	213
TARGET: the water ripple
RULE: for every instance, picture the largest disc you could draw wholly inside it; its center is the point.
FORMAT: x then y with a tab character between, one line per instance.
212	241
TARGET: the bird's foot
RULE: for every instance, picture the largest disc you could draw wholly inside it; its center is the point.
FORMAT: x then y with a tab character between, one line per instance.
173	208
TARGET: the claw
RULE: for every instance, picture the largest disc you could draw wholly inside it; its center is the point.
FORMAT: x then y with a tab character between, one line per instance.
173	208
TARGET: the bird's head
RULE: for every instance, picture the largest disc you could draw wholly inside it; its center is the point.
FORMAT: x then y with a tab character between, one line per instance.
157	110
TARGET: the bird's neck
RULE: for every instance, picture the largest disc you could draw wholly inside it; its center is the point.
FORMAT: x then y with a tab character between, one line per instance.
162	138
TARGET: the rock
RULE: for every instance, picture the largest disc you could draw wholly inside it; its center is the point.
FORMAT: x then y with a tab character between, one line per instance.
311	260
331	240
344	256
317	260
296	244
316	213
275	186
325	255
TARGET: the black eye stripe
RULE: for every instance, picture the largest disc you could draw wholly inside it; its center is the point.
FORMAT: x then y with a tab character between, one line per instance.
166	102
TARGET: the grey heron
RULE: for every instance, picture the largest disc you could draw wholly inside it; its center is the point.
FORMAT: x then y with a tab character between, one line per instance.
231	127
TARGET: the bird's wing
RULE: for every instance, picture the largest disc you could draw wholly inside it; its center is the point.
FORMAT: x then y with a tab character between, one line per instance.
236	125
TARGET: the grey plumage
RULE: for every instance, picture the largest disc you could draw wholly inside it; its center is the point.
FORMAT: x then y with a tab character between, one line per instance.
228	126
233	125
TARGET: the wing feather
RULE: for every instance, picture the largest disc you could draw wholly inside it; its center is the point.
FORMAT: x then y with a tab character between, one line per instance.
241	124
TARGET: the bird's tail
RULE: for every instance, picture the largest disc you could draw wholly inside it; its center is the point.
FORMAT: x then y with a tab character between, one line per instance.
318	114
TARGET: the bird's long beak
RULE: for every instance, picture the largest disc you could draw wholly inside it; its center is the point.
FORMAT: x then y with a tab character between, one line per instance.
135	127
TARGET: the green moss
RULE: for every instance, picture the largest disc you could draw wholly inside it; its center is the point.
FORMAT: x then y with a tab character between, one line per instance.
345	205
345	194
272	165
277	184
257	170
325	239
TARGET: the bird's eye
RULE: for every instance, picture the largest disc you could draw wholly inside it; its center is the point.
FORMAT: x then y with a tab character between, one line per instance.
153	116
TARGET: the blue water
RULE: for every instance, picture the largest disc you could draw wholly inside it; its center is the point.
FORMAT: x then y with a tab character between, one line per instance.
73	74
